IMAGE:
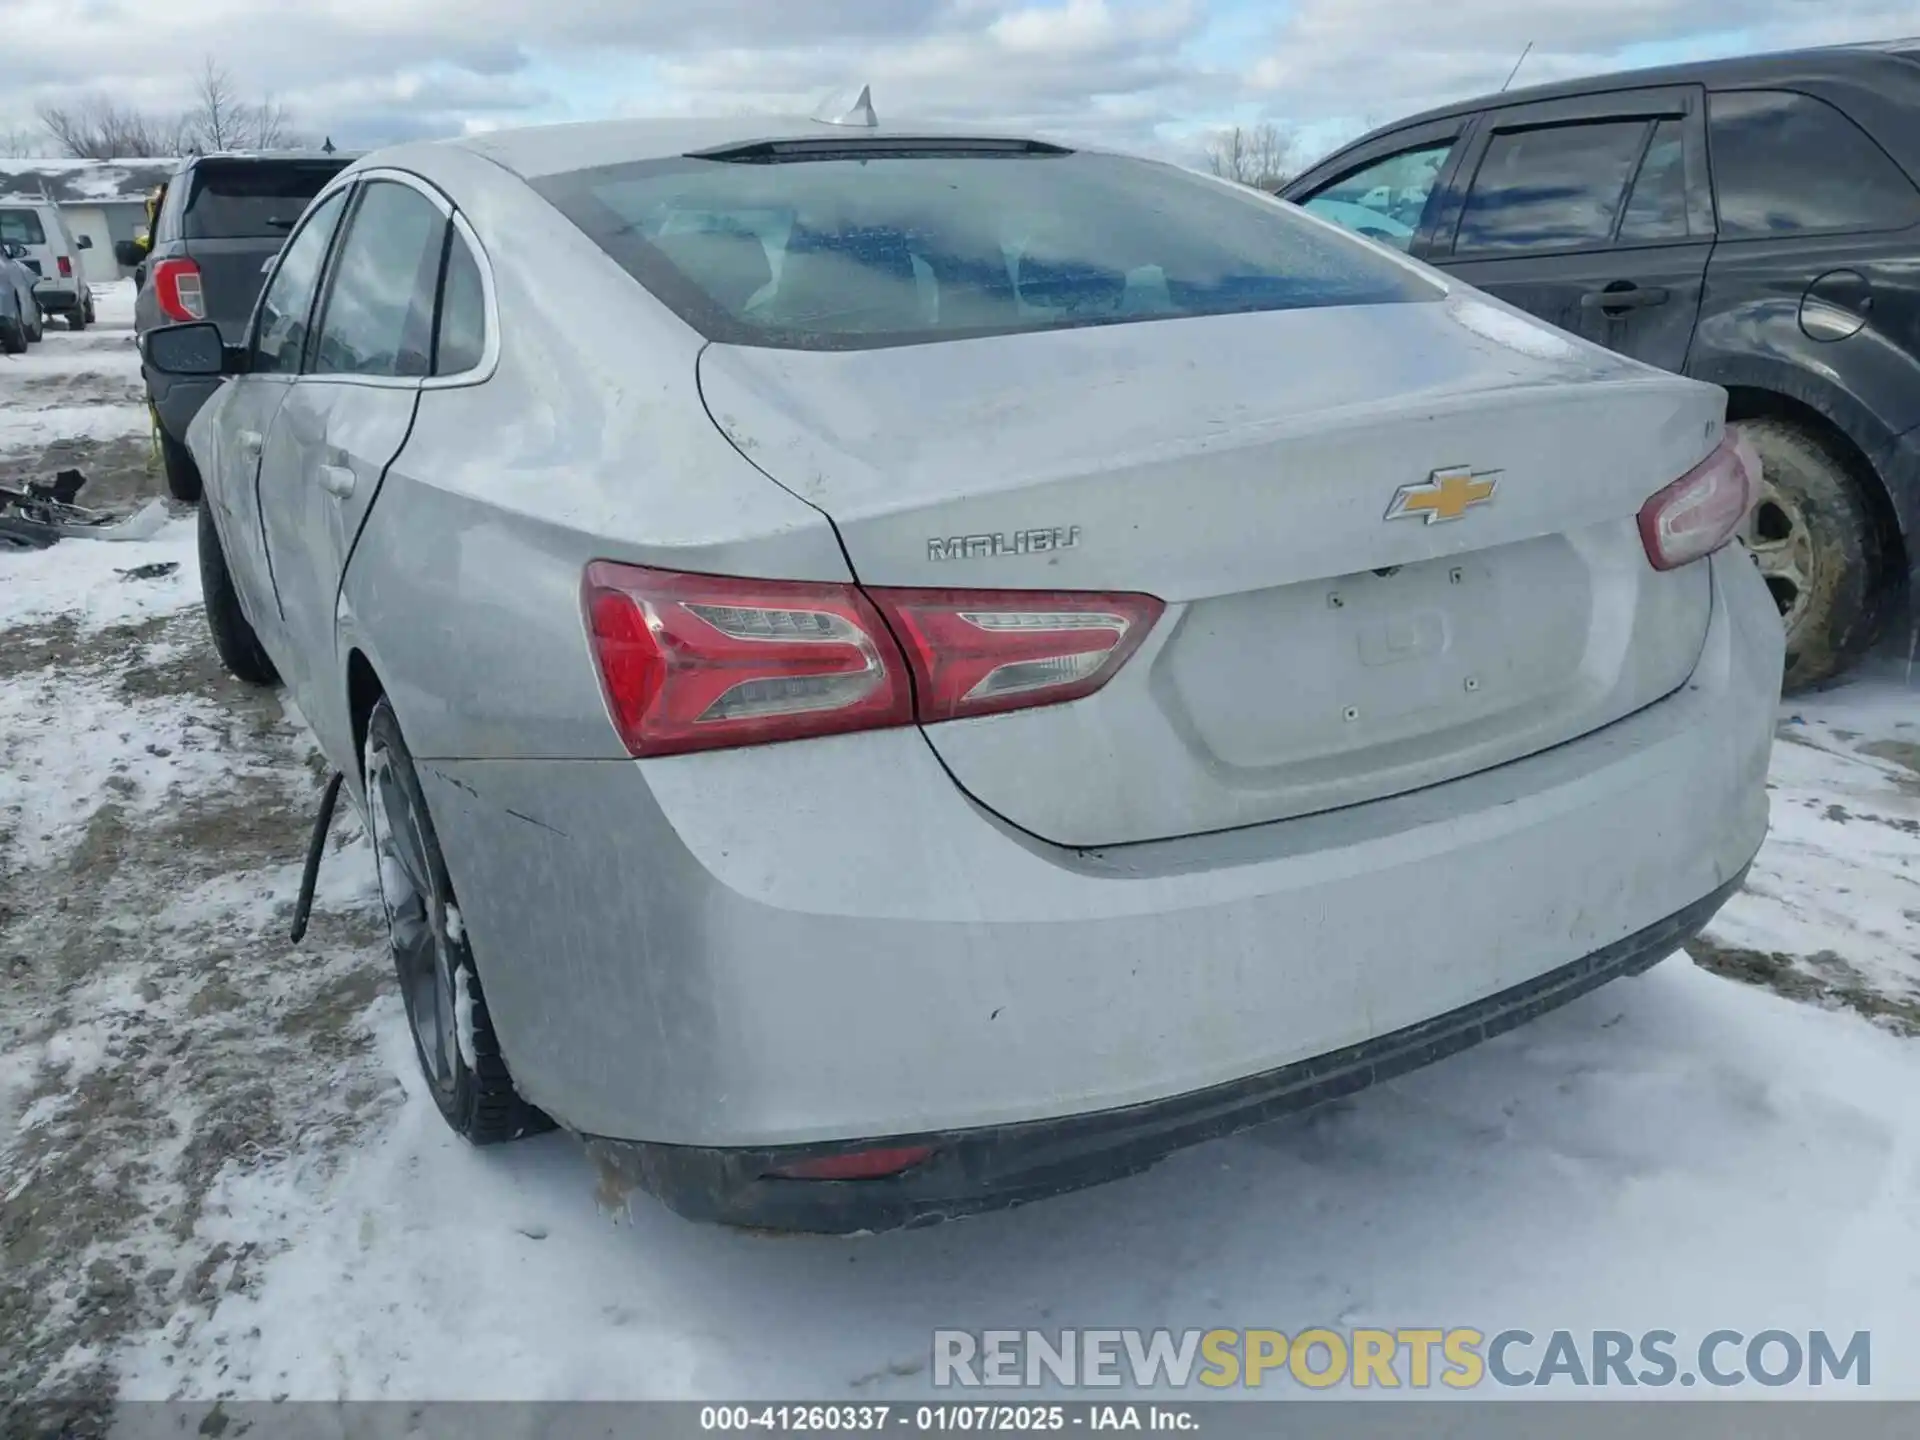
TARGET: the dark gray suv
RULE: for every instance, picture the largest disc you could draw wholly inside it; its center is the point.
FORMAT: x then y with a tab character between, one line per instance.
1751	222
220	223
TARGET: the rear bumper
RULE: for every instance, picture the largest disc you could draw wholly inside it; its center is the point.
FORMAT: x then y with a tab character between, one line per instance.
57	296
993	1168
795	945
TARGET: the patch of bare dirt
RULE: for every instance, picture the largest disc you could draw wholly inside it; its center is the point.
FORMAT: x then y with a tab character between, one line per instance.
163	1034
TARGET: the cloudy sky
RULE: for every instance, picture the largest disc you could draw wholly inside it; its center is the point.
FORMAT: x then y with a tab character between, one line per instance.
1157	75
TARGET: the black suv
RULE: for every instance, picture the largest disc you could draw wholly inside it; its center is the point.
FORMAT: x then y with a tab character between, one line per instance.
220	222
1751	222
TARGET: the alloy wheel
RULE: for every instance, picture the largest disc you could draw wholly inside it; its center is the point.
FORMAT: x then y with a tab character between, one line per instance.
1782	546
416	921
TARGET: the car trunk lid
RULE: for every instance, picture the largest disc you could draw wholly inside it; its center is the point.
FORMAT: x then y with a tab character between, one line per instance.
1270	476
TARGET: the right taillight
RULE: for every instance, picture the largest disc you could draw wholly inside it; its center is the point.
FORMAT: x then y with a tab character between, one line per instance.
698	662
975	652
1699	512
176	287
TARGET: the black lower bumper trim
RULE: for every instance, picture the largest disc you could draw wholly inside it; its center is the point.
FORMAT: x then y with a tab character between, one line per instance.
995	1166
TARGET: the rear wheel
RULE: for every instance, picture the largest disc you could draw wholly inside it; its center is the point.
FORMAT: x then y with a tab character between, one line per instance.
453	1035
233	638
37	331
1814	540
13	337
78	317
183	476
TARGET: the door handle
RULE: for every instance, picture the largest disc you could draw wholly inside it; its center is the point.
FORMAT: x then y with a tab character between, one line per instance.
249	442
1626	297
337	481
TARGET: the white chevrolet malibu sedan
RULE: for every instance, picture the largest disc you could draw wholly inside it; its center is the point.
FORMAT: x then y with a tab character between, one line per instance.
896	671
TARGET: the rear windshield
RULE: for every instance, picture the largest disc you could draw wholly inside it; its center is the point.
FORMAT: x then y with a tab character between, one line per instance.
850	253
253	200
21	227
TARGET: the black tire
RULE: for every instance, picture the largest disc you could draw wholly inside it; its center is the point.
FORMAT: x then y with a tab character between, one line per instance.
233	638
1816	542
38	332
460	1060
78	317
183	476
13	337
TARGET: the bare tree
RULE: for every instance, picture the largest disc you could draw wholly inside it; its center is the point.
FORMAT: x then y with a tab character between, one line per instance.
221	120
1263	156
219	117
273	127
95	128
23	143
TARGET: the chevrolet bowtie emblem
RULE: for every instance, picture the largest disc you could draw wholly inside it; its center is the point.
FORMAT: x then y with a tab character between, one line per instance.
1444	495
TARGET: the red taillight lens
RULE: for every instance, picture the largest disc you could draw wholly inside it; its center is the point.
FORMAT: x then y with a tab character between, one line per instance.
858	1165
176	286
975	652
690	662
695	662
65	262
1699	512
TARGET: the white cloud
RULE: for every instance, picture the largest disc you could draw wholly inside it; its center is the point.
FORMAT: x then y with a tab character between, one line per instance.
1391	57
1133	72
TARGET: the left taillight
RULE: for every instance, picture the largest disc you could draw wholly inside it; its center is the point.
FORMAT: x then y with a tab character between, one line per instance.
1701	511
65	262
177	290
698	662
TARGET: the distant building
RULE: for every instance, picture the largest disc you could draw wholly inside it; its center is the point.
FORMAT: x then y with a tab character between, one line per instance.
105	199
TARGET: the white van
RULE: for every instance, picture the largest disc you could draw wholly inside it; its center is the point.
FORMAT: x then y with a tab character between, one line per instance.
53	254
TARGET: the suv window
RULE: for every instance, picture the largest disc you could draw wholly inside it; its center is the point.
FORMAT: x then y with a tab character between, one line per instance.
1657	208
380	301
1386	199
462	337
1550	188
1784	162
281	329
252	199
21	227
864	246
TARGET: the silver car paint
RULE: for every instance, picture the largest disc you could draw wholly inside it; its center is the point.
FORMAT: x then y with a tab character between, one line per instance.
828	938
1223	466
819	941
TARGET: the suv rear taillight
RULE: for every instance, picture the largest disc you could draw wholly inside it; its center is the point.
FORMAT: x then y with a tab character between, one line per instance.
65	262
1699	512
697	662
176	286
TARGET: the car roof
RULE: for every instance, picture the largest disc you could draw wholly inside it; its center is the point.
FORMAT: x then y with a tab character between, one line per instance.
553	149
269	157
1829	61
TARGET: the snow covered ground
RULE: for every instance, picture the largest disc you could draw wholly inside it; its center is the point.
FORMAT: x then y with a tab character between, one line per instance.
219	1174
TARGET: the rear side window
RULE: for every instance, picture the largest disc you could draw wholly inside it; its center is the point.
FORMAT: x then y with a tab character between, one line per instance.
1551	188
21	227
1784	162
462	337
1384	201
379	306
252	200
1657	208
853	250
